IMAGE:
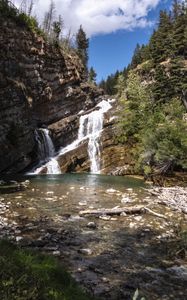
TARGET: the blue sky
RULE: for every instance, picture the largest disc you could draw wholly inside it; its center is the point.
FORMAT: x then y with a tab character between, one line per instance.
109	52
114	27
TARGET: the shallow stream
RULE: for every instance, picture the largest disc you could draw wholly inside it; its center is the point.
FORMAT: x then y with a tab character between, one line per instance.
111	256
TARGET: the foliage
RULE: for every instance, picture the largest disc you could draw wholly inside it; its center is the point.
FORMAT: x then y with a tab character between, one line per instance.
57	28
110	84
51	28
136	59
28	21
92	75
8	10
82	43
167	43
30	275
163	143
161	43
153	96
147	66
159	131
21	18
120	85
134	107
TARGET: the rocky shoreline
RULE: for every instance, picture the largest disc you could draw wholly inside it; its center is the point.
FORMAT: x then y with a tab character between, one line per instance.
174	197
110	256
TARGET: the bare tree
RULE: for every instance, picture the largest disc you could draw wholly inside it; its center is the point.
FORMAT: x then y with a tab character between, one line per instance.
30	8
49	17
26	6
23	6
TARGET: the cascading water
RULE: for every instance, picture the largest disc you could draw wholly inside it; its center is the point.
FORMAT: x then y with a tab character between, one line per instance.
53	167
90	127
46	152
45	144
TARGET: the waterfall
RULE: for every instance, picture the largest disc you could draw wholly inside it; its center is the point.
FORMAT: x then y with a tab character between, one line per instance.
53	167
45	145
46	152
90	126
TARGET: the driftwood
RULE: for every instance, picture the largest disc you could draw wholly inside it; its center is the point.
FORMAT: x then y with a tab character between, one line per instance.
117	211
113	211
154	213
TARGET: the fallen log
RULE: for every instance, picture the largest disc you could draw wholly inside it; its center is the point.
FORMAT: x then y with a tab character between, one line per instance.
118	211
113	211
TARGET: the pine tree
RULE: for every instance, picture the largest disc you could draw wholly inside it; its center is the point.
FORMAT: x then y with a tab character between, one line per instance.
162	88
134	105
136	59
102	85
153	46
176	9
92	75
145	53
161	42
57	28
110	85
152	110
120	86
179	29
82	48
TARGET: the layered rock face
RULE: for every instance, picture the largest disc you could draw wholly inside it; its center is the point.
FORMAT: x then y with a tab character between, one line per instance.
39	86
115	158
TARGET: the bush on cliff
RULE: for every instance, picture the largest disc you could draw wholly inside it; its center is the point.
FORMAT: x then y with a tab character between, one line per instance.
7	9
159	132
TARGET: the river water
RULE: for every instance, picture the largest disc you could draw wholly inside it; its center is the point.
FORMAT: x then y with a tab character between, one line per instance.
111	256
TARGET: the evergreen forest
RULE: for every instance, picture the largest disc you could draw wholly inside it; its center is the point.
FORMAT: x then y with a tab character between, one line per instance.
153	96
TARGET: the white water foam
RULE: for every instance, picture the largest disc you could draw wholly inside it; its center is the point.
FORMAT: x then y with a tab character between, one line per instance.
46	152
90	127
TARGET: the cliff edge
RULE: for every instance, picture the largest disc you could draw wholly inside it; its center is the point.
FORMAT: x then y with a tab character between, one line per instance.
40	85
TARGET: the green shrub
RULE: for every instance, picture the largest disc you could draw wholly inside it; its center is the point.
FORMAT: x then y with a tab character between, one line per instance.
28	275
159	131
147	66
7	10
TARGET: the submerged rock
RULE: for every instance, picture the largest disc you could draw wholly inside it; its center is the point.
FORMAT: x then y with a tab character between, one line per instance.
92	225
85	251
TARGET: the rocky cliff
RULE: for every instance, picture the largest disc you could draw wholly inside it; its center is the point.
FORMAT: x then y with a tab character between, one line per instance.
115	158
40	85
43	86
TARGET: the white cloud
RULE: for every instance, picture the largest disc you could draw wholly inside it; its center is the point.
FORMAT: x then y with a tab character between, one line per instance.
100	16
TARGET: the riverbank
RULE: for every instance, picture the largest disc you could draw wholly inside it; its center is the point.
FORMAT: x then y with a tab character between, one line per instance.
26	274
108	255
174	197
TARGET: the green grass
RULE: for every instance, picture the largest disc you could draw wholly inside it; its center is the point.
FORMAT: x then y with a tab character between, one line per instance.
29	275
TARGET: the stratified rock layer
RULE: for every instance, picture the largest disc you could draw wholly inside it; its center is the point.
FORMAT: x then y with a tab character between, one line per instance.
39	86
116	159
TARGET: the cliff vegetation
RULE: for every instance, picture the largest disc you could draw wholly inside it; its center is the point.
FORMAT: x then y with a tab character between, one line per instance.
153	96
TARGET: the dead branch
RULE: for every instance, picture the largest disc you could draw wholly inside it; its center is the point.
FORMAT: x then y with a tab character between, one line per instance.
117	211
113	211
154	213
